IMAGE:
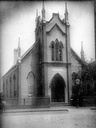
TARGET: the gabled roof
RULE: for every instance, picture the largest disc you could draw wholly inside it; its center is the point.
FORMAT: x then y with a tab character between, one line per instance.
34	45
22	57
28	51
55	25
14	66
77	57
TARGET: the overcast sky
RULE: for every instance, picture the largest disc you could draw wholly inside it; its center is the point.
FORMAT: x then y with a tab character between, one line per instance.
17	19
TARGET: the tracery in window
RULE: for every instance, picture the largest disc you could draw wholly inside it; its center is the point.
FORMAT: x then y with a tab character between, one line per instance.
60	50
52	51
31	81
56	50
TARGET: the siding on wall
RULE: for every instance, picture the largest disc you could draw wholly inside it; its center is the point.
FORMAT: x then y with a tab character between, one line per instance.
75	65
25	69
54	33
53	22
30	63
7	77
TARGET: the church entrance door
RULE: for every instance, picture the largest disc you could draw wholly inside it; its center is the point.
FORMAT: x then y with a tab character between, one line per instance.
58	89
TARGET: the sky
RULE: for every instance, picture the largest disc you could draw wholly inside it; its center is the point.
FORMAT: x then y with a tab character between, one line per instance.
17	19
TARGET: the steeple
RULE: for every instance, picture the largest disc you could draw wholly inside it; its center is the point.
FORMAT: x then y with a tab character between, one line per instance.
36	16
43	12
17	53
19	50
18	42
66	13
82	52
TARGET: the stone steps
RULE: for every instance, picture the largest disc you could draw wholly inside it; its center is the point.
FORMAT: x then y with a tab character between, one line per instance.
53	104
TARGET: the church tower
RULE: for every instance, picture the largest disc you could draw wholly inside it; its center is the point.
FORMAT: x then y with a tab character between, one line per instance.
53	39
56	61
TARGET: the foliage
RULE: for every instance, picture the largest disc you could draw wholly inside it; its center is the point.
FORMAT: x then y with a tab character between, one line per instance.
87	77
88	73
88	80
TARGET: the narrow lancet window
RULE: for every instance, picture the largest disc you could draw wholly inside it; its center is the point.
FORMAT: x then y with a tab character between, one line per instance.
56	50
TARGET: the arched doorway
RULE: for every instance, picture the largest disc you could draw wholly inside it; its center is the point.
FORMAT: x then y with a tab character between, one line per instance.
57	88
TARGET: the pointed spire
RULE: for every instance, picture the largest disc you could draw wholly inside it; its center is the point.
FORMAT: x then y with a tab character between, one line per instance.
66	13
36	14
19	42
82	51
81	45
43	6
43	12
19	50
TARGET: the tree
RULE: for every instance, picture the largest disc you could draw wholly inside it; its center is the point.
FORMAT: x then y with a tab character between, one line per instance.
88	79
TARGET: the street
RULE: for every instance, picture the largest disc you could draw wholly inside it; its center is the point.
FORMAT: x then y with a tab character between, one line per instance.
73	118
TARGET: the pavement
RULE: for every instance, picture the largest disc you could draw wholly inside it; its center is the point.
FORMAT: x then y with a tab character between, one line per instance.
60	108
36	109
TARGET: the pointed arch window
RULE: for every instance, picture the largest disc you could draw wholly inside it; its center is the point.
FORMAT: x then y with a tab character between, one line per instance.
56	50
14	81
6	88
31	82
52	46
60	50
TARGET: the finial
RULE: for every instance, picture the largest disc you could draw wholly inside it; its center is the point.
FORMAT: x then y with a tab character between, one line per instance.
43	6
82	51
43	12
66	13
19	42
82	45
66	8
19	50
36	13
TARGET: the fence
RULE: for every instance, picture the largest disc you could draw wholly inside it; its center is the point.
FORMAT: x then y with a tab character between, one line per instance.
31	101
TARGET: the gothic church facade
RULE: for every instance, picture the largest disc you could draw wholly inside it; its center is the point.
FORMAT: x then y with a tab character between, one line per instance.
43	74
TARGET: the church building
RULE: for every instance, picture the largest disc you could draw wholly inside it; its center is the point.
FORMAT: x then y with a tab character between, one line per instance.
43	74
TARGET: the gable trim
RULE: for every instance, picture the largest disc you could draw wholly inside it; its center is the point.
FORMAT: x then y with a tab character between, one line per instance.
56	25
53	17
77	57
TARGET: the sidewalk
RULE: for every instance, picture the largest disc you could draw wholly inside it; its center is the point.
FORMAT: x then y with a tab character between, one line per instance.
36	109
62	108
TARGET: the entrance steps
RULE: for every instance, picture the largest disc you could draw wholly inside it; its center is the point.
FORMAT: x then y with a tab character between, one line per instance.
57	104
